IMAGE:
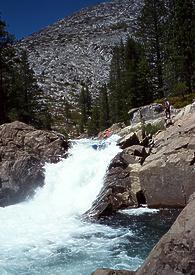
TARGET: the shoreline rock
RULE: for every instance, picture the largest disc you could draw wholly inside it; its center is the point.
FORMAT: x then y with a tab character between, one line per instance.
117	192
167	179
159	172
105	271
23	153
175	252
168	175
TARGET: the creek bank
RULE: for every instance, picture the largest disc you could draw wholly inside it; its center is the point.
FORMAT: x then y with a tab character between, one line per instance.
23	153
158	171
166	178
175	252
121	187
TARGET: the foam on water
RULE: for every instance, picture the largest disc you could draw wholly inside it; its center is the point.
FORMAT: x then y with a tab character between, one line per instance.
139	211
46	235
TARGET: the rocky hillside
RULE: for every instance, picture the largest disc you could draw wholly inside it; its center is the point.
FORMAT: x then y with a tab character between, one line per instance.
79	47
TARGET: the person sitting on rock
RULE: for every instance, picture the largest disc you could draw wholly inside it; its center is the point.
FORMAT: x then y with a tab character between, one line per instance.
167	108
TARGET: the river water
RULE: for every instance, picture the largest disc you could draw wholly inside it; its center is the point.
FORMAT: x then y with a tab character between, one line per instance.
46	235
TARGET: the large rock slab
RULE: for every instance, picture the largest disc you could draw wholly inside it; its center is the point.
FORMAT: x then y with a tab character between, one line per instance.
129	140
23	153
148	113
175	252
168	175
118	191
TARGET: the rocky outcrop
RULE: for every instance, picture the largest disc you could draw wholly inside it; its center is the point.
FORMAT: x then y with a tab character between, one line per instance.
168	175
152	113
159	172
23	152
129	140
115	192
175	252
122	187
148	113
165	179
105	271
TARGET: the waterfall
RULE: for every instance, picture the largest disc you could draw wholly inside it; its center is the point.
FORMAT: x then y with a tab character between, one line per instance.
46	235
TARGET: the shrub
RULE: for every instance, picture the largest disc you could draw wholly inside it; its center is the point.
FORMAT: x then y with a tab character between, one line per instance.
153	128
179	102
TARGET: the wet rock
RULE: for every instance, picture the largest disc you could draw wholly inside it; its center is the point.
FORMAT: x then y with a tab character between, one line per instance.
23	153
105	271
118	192
175	252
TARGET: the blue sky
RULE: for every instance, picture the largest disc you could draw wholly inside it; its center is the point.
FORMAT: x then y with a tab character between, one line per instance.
24	17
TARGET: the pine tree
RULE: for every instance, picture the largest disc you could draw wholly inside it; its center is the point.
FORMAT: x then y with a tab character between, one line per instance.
85	106
144	91
193	48
151	25
88	101
132	55
6	53
180	45
67	110
104	116
94	121
25	98
116	84
20	96
129	81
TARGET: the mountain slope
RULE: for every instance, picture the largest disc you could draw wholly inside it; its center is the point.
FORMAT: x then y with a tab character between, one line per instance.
78	48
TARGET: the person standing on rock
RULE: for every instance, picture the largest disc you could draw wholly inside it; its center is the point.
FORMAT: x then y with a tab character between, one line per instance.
167	108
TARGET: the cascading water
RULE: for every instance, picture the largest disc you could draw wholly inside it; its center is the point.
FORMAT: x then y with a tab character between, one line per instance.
46	235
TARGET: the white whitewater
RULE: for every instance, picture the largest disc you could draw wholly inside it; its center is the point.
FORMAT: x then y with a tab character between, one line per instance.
46	235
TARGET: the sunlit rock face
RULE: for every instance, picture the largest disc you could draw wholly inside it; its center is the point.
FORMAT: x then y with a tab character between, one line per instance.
167	176
78	48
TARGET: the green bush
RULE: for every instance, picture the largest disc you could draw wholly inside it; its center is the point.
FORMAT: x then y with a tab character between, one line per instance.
153	128
178	101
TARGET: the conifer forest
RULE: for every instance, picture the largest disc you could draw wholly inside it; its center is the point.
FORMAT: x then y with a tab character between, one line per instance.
156	61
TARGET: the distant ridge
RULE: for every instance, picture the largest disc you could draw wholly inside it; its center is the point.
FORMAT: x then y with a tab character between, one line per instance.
78	48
